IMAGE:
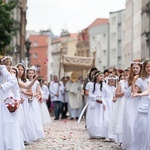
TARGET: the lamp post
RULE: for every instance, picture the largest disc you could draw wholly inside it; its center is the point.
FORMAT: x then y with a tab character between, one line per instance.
28	46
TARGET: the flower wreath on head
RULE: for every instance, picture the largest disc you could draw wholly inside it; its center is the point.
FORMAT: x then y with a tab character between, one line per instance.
6	57
21	64
114	77
14	67
136	63
99	72
145	60
33	68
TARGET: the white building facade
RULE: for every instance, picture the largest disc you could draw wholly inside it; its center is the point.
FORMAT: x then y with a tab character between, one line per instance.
145	47
99	42
137	26
116	38
55	53
132	45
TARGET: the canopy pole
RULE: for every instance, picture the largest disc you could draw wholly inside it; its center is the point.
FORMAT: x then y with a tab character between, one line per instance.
61	49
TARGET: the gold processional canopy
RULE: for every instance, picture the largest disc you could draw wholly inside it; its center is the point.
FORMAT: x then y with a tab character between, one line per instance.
77	63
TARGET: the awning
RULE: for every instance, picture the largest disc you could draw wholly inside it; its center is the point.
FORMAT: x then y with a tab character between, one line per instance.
77	63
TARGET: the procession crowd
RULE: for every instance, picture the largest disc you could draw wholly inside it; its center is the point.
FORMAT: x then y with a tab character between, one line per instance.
118	105
114	102
23	109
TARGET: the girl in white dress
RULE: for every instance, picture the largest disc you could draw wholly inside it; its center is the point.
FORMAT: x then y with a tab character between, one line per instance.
131	105
94	116
14	93
3	110
21	114
35	108
28	130
86	88
46	118
14	70
141	130
117	115
7	124
109	97
88	81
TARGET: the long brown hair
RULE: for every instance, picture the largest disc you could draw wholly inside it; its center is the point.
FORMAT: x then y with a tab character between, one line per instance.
143	72
131	74
23	77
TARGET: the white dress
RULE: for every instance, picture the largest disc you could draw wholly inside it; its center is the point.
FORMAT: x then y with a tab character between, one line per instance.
6	123
15	94
8	138
45	115
141	122
36	114
95	113
88	85
29	133
1	121
129	116
109	92
149	120
117	115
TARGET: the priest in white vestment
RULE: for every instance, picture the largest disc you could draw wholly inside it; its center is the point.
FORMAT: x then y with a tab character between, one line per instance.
73	87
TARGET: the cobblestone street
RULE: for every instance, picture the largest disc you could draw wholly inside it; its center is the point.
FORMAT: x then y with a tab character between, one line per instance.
69	135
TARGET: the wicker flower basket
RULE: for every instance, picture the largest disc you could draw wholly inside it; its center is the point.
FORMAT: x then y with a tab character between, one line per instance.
11	104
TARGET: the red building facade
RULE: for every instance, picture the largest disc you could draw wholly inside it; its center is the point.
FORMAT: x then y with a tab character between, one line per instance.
39	53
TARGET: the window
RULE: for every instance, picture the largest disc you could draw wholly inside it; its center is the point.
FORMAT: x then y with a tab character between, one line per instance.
104	52
35	44
93	38
113	52
119	26
104	38
113	36
35	55
113	20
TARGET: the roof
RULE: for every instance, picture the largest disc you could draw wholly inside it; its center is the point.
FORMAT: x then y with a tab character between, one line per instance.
98	21
57	40
117	11
73	35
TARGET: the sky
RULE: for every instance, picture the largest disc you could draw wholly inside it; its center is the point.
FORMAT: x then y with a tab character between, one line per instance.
71	15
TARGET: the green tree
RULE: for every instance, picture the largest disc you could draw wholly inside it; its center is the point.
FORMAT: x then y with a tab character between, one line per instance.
8	25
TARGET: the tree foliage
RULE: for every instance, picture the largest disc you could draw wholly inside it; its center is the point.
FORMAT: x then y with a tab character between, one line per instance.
7	24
